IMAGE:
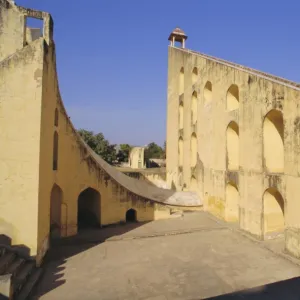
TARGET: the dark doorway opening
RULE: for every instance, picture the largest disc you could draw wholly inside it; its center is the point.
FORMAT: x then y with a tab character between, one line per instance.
88	209
131	215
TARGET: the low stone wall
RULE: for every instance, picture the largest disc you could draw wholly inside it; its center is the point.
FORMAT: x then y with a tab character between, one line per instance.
155	176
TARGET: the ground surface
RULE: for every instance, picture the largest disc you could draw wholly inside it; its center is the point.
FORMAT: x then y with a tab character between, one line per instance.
191	257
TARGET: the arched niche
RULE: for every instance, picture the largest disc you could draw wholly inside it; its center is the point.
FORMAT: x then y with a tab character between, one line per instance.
232	142
273	142
181	81
56	199
194	107
232	202
55	151
180	152
207	92
181	116
233	97
193	149
273	211
89	206
194	75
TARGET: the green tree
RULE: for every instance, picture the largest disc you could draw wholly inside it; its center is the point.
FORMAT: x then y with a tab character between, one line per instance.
99	145
153	151
123	154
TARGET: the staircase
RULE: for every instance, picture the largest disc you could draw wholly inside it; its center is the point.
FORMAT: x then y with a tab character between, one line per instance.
18	273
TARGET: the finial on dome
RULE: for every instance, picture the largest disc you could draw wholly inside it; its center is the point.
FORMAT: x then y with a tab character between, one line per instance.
178	35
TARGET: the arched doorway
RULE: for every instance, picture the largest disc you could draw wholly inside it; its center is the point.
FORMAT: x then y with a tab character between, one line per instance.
273	132
232	203
88	215
273	210
131	215
55	211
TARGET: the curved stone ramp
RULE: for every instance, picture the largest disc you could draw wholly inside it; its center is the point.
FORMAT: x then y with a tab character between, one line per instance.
144	189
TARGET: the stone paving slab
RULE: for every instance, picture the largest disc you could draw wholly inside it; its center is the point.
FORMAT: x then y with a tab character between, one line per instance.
201	264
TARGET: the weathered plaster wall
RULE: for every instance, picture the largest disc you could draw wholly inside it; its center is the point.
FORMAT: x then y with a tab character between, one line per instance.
12	28
20	104
259	93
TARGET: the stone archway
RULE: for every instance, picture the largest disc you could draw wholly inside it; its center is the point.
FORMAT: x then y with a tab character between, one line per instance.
89	209
131	215
273	212
56	199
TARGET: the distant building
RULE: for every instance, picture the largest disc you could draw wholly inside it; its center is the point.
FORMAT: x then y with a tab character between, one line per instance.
136	158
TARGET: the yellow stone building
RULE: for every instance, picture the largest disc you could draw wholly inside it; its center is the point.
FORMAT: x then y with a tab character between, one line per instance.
51	182
233	136
136	158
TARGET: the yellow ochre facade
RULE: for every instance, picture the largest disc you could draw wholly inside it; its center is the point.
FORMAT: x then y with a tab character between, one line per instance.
50	180
233	136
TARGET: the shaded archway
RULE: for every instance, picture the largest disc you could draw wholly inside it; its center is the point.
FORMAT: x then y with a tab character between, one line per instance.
88	215
193	184
273	211
131	215
55	151
207	93
193	150
232	202
181	81
233	97
273	142
180	152
194	75
56	199
194	107
232	135
181	116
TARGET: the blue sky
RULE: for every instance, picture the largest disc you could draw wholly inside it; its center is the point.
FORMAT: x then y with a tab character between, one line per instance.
112	54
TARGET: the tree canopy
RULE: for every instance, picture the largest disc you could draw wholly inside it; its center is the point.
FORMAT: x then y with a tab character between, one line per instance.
100	145
154	151
123	154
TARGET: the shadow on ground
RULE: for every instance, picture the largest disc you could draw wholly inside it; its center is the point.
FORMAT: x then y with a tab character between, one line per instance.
61	249
282	290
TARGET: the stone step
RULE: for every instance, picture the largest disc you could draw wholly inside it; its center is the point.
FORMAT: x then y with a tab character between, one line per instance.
22	274
15	266
5	261
29	285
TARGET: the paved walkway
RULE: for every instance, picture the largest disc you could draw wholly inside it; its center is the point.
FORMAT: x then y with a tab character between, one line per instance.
191	257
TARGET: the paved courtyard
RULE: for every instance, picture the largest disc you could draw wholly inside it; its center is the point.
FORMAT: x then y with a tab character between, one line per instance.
190	257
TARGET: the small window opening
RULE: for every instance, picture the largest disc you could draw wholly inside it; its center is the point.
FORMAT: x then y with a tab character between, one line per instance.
34	29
